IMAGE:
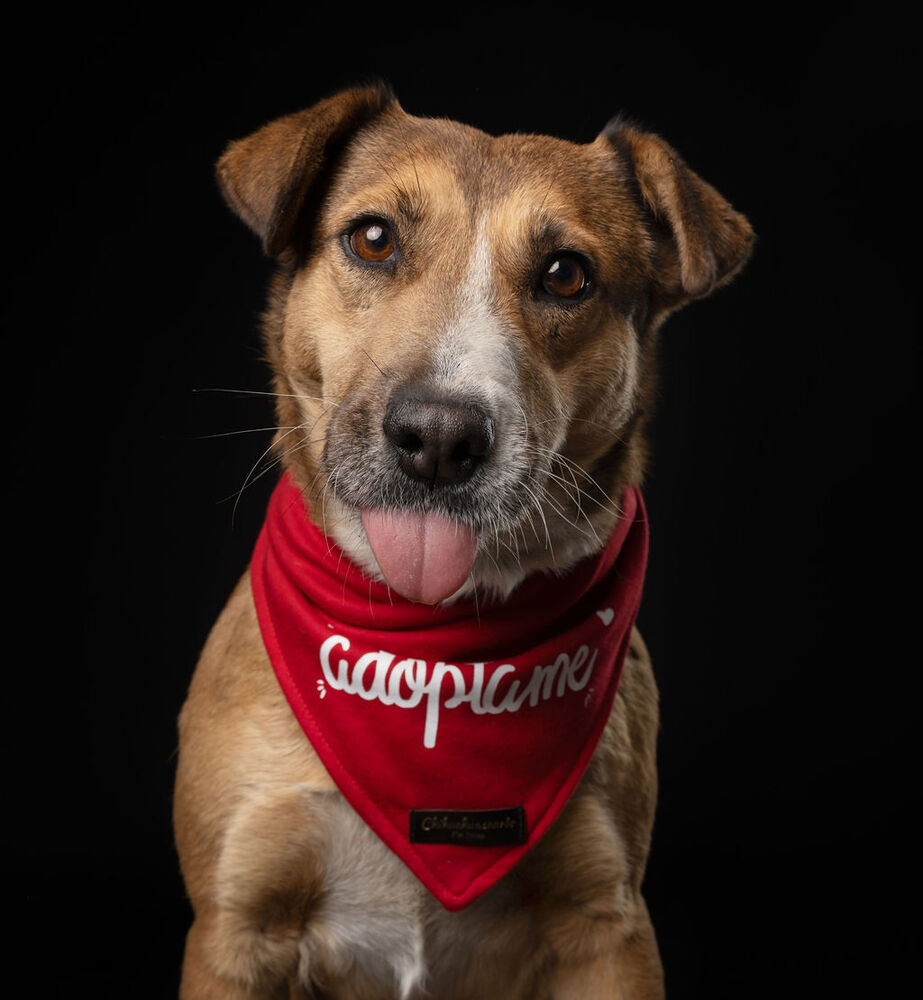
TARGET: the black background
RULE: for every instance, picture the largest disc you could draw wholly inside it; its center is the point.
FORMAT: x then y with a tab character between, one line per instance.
777	600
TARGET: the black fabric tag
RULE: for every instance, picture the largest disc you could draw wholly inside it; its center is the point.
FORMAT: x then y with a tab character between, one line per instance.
468	827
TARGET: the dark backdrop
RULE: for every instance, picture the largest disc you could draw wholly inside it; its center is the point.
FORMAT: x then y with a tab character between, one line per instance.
778	495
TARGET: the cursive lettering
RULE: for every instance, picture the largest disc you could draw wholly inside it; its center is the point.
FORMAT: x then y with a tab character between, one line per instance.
407	683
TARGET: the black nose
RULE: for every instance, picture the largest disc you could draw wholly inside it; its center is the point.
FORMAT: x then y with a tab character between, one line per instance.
440	441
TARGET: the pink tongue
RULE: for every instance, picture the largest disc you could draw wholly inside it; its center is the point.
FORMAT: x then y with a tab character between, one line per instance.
424	557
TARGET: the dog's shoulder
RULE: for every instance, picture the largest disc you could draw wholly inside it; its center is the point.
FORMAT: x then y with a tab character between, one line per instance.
238	735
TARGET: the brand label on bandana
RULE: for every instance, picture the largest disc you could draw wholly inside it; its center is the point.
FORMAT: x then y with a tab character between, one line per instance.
466	709
474	828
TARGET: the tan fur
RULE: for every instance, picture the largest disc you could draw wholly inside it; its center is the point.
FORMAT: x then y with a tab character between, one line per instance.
293	895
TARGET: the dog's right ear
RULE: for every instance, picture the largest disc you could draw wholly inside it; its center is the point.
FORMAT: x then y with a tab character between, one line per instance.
702	241
265	177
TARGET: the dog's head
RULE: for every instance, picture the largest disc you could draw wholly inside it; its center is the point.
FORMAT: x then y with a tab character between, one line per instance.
462	328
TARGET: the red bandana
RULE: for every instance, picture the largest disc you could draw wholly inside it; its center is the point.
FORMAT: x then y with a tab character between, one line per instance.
456	732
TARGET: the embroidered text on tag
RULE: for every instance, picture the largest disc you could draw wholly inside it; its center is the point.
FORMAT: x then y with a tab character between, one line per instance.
470	828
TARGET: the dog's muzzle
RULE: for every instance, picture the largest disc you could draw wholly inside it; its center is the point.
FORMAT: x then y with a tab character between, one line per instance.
436	444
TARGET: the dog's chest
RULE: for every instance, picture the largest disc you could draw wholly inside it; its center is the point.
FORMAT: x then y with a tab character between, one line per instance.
376	927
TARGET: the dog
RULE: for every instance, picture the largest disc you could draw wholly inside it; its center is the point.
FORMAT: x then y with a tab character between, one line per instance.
462	333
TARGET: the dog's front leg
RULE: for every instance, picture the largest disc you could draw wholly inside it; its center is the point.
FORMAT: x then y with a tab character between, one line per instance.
253	905
623	964
201	981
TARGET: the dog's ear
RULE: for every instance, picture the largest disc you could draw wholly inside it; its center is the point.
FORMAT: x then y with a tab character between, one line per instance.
702	241
266	176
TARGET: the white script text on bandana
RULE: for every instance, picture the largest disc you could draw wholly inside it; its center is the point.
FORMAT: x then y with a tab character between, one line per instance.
381	677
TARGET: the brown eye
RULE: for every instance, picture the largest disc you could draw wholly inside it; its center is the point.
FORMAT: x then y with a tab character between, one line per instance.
372	241
565	277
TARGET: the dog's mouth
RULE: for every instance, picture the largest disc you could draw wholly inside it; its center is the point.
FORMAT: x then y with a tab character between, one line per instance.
443	495
423	556
429	477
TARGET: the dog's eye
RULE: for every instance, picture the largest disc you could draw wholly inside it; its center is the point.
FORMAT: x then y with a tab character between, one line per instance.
372	241
565	277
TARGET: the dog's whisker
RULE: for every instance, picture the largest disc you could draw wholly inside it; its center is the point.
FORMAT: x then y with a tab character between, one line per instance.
514	552
578	494
277	395
545	494
474	592
374	362
249	430
575	467
295	448
525	420
250	475
306	442
521	533
550	457
541	512
591	534
607	428
277	459
323	505
310	490
552	502
252	480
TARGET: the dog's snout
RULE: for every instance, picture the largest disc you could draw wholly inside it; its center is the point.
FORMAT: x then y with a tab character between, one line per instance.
440	441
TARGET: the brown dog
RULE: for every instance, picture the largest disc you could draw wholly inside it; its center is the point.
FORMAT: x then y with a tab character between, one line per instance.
460	326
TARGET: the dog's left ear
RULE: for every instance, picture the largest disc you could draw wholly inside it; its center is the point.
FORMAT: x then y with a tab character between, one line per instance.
702	241
266	176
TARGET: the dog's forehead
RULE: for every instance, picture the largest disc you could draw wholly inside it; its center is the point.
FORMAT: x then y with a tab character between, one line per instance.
446	167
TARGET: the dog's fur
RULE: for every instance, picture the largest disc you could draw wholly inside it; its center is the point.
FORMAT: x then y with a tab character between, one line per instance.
293	895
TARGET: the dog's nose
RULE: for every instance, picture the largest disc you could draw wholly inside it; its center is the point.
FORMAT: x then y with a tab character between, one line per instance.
440	441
